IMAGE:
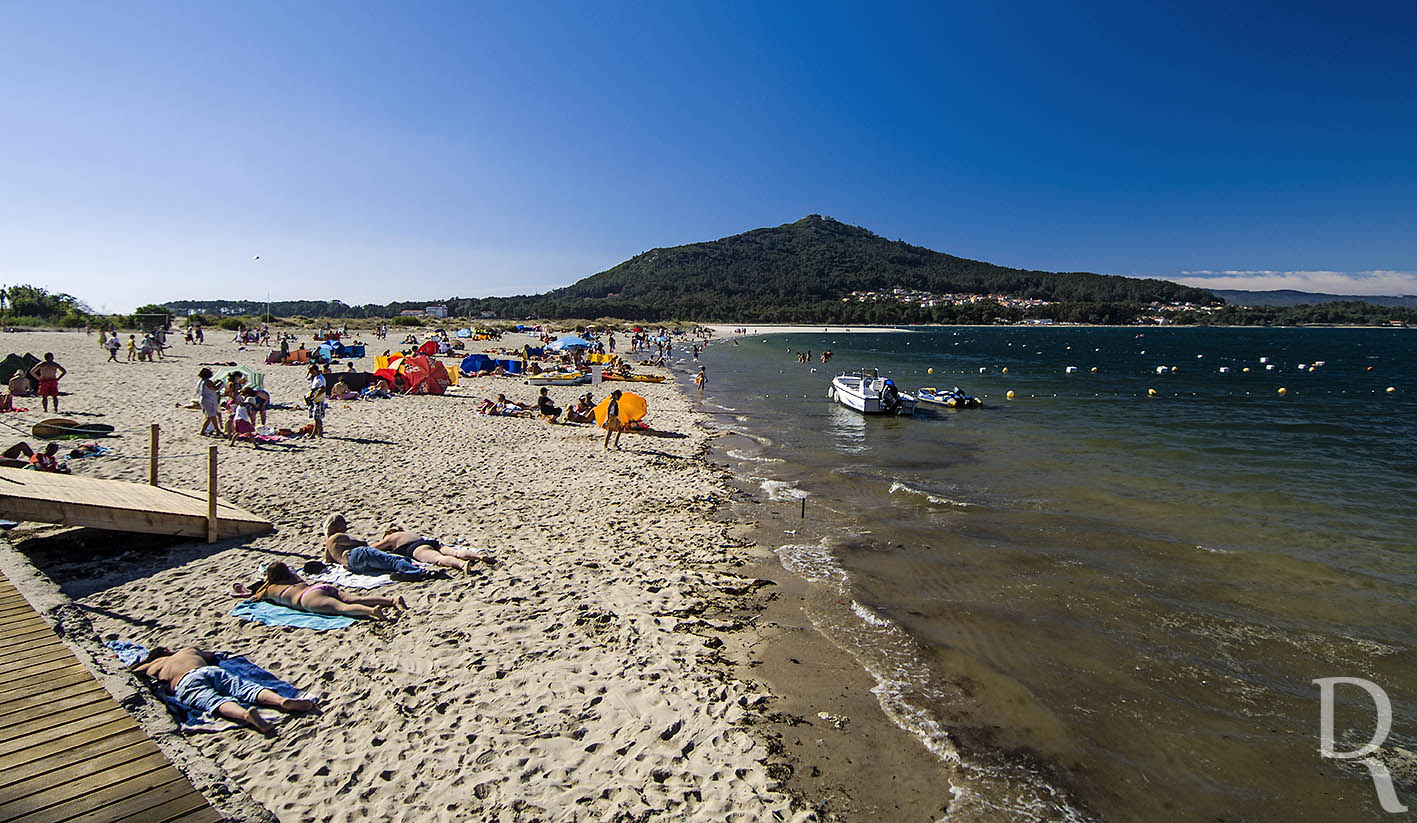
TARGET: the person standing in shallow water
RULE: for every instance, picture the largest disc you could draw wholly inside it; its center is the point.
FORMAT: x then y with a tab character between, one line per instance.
612	420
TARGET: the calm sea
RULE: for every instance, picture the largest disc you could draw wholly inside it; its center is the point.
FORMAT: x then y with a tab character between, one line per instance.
1094	602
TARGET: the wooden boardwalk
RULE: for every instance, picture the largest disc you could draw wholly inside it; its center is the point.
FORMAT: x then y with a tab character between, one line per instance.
68	751
45	497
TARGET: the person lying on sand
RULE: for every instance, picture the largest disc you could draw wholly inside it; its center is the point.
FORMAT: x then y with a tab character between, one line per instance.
193	677
356	555
12	456
287	588
404	544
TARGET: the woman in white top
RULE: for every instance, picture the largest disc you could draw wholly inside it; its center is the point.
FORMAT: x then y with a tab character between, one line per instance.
209	391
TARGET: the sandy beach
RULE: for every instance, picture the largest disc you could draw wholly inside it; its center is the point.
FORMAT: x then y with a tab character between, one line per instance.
580	678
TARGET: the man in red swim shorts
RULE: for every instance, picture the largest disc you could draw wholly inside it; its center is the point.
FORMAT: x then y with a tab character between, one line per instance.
47	373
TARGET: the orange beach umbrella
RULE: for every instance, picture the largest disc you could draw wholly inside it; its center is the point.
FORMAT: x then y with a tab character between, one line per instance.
632	408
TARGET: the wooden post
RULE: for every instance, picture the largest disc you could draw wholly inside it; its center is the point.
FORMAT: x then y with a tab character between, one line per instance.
152	455
211	494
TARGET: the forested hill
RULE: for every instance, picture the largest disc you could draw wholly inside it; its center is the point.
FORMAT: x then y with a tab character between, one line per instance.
803	270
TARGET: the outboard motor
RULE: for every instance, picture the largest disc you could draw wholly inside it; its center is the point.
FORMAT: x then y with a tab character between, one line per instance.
890	397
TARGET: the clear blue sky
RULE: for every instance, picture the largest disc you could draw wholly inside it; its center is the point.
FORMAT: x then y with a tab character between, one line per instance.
423	150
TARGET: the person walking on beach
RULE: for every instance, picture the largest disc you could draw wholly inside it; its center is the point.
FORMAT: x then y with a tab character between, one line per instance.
701	379
112	344
613	423
194	678
209	391
47	374
132	347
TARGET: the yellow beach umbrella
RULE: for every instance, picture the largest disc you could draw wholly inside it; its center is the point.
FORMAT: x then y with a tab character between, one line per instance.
632	408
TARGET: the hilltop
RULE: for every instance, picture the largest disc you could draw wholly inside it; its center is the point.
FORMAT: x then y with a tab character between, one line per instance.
809	270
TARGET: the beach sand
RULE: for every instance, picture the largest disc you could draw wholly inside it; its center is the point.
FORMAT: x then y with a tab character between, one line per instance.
581	678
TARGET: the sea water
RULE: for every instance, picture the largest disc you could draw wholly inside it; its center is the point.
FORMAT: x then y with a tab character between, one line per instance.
1109	596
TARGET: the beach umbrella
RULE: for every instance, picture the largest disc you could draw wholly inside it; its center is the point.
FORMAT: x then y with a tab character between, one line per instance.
632	408
571	342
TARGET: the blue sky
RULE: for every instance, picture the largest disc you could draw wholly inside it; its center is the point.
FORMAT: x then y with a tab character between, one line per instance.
371	152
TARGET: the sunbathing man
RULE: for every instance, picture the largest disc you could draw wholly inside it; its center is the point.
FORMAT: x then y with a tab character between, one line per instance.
357	556
407	544
287	588
20	385
193	677
11	456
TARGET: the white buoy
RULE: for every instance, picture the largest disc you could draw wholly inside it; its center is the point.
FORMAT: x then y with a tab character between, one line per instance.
1270	367
983	369
1303	367
1264	359
1391	389
1199	356
1224	369
1070	369
1320	363
1161	369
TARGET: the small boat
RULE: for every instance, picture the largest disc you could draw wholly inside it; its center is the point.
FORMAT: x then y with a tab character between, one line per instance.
634	378
954	399
571	379
870	394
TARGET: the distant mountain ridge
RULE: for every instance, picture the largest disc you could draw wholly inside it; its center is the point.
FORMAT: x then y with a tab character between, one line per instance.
804	270
1291	297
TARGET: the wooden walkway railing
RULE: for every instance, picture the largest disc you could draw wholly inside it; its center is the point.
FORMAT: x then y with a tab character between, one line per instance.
68	751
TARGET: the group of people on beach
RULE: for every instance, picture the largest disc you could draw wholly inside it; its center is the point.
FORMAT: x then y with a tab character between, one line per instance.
192	675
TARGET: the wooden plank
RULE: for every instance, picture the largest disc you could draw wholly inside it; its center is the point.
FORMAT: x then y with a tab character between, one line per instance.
74	777
51	759
67	739
39	672
95	791
76	675
135	809
118	505
48	701
205	814
178	808
97	708
41	736
22	659
22	636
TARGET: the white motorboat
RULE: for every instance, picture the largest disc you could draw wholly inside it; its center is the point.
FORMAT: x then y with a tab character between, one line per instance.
870	394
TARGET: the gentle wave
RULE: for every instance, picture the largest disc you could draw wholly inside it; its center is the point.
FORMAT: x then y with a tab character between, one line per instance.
739	454
782	491
898	486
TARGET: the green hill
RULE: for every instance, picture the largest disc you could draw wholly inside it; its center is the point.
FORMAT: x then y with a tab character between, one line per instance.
802	271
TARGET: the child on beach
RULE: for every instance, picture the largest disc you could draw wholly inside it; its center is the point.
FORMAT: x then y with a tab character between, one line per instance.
132	347
193	677
318	406
243	423
209	392
48	373
612	420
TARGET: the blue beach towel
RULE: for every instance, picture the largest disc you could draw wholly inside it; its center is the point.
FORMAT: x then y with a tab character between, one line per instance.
188	718
273	615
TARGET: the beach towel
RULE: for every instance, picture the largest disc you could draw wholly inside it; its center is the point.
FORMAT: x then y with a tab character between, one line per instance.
188	718
274	615
340	576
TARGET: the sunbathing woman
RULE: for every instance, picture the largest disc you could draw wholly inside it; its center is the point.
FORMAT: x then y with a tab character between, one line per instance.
403	543
287	588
